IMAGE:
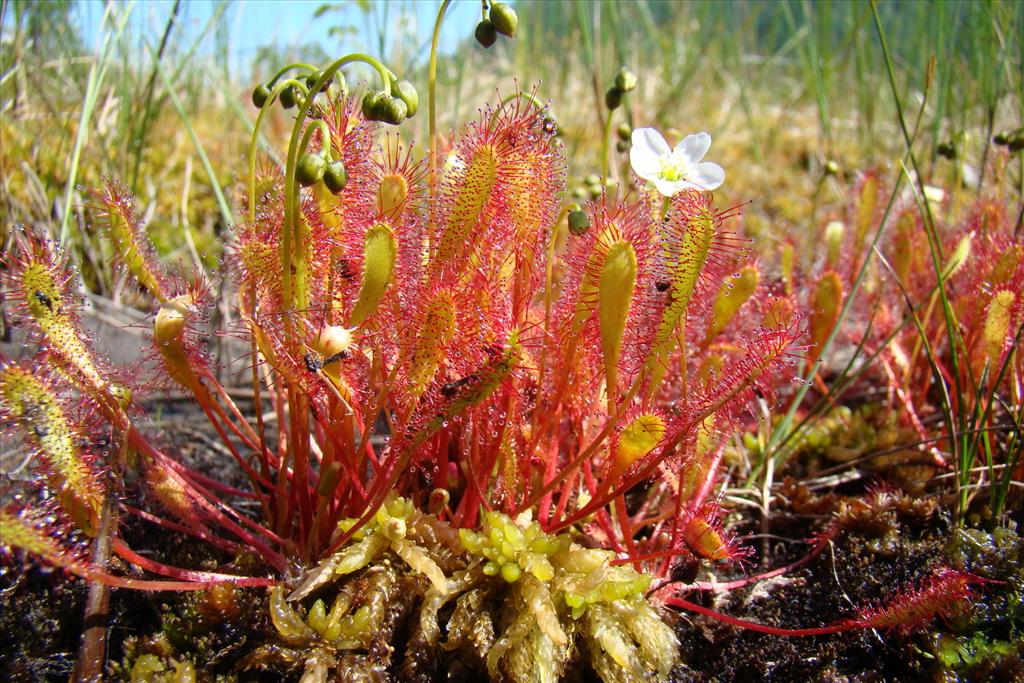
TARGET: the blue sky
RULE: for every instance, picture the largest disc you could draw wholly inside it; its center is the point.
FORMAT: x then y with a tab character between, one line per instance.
254	23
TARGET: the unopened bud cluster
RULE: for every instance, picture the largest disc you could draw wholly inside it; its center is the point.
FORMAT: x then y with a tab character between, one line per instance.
399	101
500	18
314	167
1013	140
625	81
394	106
293	91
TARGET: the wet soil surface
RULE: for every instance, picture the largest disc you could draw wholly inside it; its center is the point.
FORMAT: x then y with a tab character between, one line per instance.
883	545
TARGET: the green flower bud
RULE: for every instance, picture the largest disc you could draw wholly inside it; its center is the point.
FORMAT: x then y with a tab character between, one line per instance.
336	176
831	168
592	179
485	33
393	110
625	80
310	169
504	19
406	91
579	222
260	95
622	146
311	81
289	97
624	131
372	105
613	98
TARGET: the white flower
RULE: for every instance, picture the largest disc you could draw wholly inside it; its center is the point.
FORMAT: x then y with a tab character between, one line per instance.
674	170
934	194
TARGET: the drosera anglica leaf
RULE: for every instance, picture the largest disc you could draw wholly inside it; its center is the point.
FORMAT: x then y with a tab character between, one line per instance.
944	592
638	438
30	400
392	194
502	177
827	303
169	339
435	330
734	293
697	253
615	295
474	187
867	205
1002	317
43	286
114	208
606	297
379	255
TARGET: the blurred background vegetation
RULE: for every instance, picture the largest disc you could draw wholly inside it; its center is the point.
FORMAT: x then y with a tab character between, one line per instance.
157	95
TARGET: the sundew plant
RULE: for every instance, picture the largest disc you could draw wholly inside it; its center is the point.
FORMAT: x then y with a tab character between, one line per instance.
487	420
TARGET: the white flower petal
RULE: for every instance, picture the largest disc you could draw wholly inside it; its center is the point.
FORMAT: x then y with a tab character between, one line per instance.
652	140
693	147
706	175
645	162
969	175
670	188
934	194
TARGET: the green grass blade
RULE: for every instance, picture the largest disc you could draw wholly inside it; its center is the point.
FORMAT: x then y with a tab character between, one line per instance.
97	73
225	210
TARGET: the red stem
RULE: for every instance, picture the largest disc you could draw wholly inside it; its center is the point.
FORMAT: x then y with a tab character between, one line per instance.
200	497
253	475
207	578
739	583
201	534
754	626
626	527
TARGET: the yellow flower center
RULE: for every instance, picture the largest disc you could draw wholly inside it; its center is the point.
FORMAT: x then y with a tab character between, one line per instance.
672	169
